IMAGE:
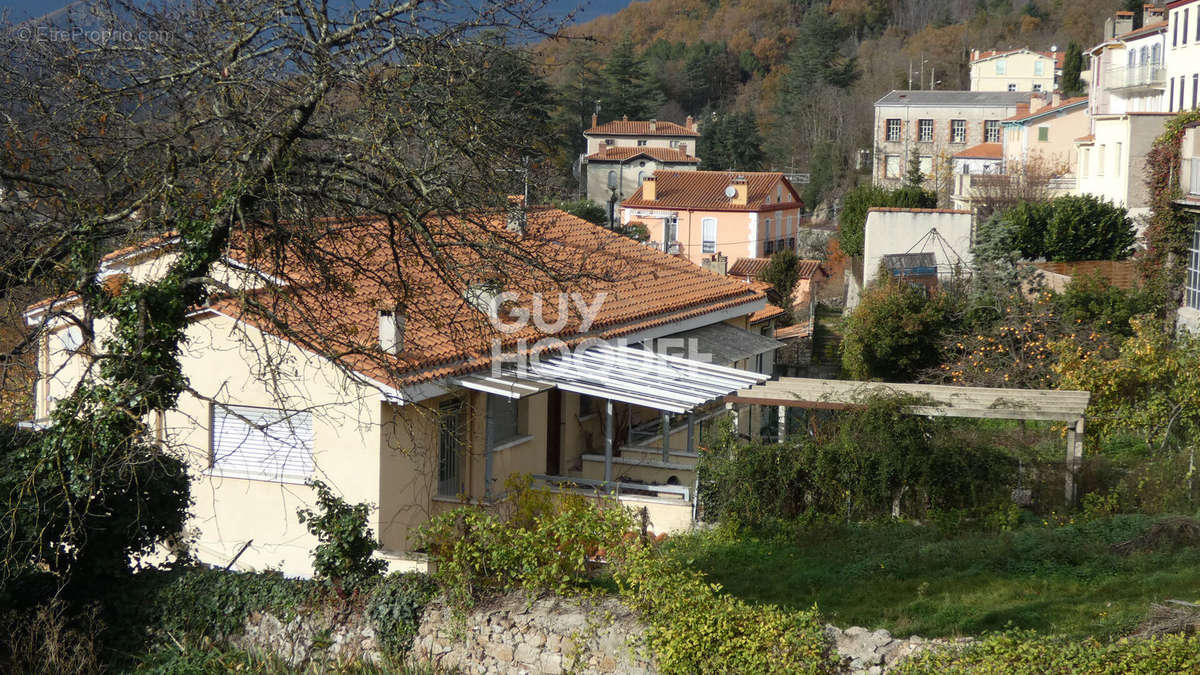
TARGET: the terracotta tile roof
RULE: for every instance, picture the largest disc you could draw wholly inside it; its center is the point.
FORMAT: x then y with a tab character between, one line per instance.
333	309
1086	139
794	331
1044	111
615	154
1058	56
748	267
896	209
766	313
1148	28
808	269
982	151
640	128
705	191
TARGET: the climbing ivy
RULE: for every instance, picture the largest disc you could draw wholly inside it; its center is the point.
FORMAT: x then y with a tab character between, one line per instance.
1163	262
95	488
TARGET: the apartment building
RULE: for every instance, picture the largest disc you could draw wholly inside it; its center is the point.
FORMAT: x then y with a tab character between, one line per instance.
1016	70
1131	95
934	126
621	153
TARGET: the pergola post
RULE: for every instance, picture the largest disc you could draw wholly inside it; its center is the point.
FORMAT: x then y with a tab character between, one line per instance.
1074	459
665	428
733	416
691	432
782	423
608	440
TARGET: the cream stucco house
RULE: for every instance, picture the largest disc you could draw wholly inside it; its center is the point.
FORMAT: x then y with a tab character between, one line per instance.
434	397
1016	70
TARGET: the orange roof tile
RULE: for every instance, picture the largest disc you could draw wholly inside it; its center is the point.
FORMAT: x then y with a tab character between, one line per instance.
705	191
766	313
1148	28
982	151
1086	139
897	209
640	128
1042	111
748	267
613	154
1059	57
333	309
798	330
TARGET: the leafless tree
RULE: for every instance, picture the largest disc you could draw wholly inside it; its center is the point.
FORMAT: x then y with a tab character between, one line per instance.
273	129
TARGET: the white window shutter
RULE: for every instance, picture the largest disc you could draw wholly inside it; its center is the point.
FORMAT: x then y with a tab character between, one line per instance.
268	444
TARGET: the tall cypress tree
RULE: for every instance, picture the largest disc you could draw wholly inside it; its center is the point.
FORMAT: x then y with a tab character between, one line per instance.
1072	66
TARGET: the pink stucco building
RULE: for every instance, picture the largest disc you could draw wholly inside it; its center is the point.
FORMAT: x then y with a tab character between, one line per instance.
698	213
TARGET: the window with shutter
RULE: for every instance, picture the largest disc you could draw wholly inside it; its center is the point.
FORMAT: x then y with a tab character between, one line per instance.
261	443
709	227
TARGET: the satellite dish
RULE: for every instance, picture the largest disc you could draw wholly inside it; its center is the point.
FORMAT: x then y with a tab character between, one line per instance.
731	192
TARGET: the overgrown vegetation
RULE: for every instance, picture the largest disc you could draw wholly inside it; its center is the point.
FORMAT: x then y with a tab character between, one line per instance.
343	557
1054	574
857	202
895	331
1067	228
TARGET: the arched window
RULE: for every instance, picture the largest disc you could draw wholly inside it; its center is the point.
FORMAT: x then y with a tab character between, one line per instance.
612	179
641	177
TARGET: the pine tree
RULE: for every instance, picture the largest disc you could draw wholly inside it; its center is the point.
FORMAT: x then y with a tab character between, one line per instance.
630	91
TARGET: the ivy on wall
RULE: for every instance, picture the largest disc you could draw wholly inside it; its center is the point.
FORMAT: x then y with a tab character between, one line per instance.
1164	261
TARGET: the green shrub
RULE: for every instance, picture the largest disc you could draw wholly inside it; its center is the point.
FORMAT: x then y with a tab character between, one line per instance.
1071	227
395	608
544	546
895	331
695	628
344	557
202	602
1090	300
1029	652
853	220
858	463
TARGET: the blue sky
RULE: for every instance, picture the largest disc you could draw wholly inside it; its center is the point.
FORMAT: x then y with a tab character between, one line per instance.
20	10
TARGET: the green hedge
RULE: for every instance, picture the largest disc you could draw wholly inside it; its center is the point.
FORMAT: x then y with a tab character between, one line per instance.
1027	652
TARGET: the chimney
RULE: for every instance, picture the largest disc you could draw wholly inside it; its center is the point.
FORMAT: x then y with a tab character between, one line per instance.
624	118
653	124
717	264
595	120
1151	14
1120	23
391	331
691	123
740	189
1023	109
516	214
649	189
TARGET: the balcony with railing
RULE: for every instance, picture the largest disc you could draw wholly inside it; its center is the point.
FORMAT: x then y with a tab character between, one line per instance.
1148	77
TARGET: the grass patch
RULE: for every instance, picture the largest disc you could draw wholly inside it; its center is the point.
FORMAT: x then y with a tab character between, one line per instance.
916	580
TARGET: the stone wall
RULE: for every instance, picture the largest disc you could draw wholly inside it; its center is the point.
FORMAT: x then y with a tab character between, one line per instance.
548	635
513	634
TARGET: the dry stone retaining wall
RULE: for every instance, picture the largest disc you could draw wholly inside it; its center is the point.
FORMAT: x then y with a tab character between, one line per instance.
548	635
515	634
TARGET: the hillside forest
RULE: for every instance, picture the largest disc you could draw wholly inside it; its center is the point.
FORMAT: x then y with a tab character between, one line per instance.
785	84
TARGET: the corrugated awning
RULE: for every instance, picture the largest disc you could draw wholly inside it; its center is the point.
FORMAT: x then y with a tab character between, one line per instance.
641	377
504	385
719	343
